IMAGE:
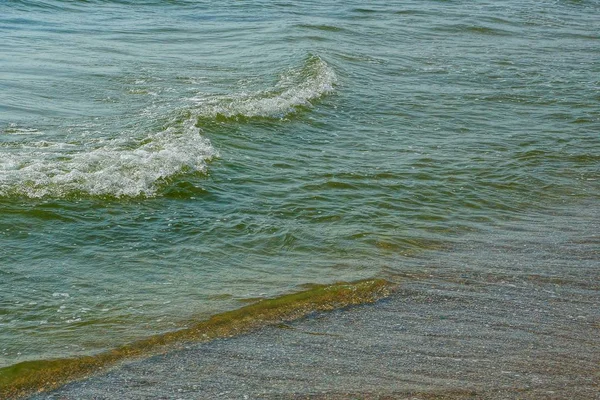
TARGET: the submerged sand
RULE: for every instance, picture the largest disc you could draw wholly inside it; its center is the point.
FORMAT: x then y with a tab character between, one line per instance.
430	339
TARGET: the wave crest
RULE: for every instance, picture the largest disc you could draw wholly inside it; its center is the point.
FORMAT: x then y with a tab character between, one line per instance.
130	167
296	89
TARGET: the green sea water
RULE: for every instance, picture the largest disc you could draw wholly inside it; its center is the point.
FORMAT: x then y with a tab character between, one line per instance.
168	160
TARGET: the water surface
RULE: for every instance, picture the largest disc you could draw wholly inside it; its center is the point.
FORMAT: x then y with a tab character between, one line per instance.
161	161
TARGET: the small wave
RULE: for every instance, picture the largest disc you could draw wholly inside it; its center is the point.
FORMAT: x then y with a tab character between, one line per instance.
474	30
14	129
129	167
42	375
322	27
296	89
70	5
111	167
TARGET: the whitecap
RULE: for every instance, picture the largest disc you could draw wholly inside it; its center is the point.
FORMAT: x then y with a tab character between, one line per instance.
133	165
297	87
118	167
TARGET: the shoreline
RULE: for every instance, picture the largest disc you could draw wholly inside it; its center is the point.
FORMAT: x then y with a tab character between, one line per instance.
23	379
427	340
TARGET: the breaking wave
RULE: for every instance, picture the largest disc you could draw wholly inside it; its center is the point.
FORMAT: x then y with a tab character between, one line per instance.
112	167
295	90
129	167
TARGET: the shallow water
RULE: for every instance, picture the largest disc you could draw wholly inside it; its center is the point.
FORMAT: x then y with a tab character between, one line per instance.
161	161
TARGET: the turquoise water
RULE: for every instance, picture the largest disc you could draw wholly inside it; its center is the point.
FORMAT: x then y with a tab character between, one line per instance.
167	160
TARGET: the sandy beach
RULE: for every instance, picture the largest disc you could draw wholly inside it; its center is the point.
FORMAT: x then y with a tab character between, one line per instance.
424	341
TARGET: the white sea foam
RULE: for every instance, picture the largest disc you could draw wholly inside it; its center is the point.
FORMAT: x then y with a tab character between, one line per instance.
296	88
111	167
14	129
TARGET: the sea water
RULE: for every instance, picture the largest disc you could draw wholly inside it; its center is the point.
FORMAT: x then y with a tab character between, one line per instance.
162	161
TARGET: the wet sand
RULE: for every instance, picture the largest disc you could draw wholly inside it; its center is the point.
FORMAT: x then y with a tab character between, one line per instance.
430	339
516	316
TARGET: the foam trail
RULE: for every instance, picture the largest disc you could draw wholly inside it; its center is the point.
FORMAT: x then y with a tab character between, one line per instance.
296	88
113	167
